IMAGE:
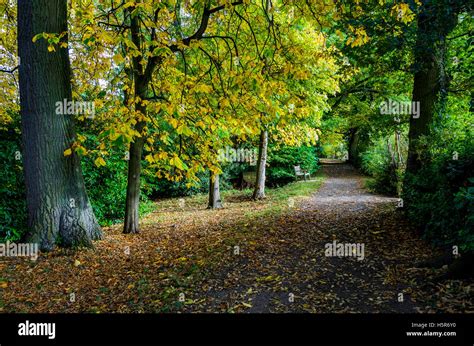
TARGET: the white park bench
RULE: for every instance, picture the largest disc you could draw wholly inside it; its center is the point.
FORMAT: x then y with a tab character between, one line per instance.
301	173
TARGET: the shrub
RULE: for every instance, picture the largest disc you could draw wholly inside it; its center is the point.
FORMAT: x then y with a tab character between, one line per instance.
440	199
281	162
13	216
162	188
106	186
376	162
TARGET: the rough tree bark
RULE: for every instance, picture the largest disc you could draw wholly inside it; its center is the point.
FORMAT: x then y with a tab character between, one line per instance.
214	192
132	202
259	191
435	21
59	211
425	91
141	79
353	146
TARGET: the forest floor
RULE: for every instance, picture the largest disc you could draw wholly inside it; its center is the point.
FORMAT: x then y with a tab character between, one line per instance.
265	256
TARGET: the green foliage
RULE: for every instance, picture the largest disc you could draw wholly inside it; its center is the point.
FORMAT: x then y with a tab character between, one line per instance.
12	188
440	197
280	171
281	162
231	174
376	161
440	200
162	188
464	204
106	186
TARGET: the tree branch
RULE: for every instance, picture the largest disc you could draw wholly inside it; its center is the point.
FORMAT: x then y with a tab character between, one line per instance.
10	71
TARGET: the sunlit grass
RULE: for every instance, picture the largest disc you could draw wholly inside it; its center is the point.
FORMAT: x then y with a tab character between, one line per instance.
276	199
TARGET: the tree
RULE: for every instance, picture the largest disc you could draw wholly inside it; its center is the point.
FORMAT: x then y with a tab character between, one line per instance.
259	191
205	83
214	192
59	211
299	71
376	41
436	19
149	37
9	98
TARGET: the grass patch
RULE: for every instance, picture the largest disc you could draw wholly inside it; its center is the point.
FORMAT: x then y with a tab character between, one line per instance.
276	201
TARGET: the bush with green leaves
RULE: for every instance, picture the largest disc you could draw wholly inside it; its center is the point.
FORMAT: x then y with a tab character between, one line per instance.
163	188
12	187
376	162
440	199
106	186
281	162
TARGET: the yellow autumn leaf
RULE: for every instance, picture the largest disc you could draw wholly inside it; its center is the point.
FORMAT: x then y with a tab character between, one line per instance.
81	150
113	136
118	59
176	161
173	122
99	162
149	158
67	152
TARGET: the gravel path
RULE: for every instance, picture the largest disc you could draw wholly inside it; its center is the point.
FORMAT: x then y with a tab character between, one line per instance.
292	271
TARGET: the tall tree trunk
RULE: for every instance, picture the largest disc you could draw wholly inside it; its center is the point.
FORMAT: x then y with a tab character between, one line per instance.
132	201
353	146
259	191
425	91
397	148
59	211
435	21
141	81
392	152
214	192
